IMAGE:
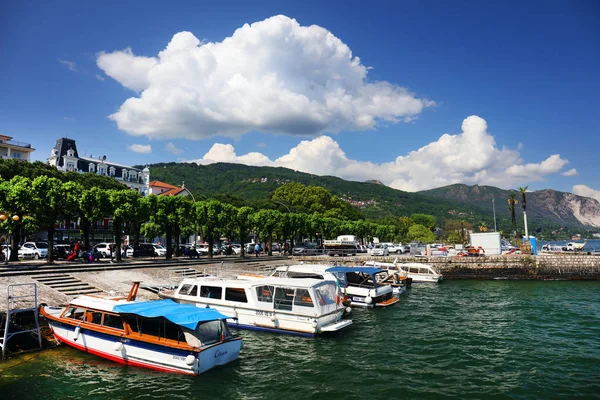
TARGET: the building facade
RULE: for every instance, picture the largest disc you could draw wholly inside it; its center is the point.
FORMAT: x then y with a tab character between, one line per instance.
65	157
12	149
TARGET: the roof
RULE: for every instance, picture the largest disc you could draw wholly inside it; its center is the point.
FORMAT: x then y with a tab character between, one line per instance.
242	283
163	184
186	315
366	270
173	192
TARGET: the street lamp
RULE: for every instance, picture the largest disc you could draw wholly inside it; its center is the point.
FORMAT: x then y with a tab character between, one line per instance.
494	208
4	217
195	225
283	204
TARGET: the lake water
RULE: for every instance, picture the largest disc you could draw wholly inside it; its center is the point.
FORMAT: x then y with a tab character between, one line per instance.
461	339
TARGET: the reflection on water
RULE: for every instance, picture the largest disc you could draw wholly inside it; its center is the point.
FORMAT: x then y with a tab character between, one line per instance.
456	340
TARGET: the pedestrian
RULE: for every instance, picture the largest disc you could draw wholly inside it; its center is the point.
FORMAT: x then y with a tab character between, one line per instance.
113	253
256	249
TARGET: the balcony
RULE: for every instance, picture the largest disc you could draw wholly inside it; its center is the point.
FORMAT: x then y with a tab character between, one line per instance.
17	144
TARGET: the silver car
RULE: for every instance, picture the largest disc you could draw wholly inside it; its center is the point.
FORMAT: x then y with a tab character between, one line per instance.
380	250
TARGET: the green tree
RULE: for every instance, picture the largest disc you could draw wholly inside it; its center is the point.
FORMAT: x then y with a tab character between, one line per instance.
266	222
523	191
426	220
50	205
243	222
512	202
94	204
123	205
212	216
15	200
420	233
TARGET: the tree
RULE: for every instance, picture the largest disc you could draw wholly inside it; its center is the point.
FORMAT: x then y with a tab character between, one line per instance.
211	216
426	220
266	222
50	205
123	204
243	222
512	202
420	233
523	191
483	226
94	204
15	200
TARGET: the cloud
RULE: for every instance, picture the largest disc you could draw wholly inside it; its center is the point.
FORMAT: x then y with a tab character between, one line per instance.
261	145
171	148
70	64
99	77
129	70
271	76
140	148
586	191
571	172
470	157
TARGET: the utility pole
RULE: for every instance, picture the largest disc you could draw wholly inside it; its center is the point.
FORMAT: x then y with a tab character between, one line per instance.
494	208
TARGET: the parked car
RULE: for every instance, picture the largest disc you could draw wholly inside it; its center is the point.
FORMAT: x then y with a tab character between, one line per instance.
405	248
361	248
392	248
305	249
103	248
61	250
144	250
40	248
380	249
24	253
159	250
202	248
237	249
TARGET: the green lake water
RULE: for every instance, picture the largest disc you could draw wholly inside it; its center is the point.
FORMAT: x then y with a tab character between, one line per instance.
461	339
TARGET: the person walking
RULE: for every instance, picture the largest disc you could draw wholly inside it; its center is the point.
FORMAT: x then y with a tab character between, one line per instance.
256	249
111	249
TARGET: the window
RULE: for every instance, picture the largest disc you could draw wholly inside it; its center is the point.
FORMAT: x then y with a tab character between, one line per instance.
124	174
113	321
325	294
212	292
303	298
211	332
111	171
236	294
75	313
93	317
92	167
70	166
413	270
283	298
265	293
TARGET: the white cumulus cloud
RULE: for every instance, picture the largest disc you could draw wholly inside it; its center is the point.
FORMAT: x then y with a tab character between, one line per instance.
141	148
171	148
272	76
470	157
69	64
571	172
586	191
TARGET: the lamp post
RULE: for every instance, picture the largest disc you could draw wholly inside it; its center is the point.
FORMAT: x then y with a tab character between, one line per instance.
195	225
4	217
283	204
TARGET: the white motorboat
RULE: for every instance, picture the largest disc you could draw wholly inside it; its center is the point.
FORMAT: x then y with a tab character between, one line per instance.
160	334
418	272
298	306
362	285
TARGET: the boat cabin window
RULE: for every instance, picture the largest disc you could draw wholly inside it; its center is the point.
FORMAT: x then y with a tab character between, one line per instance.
93	317
157	327
359	279
236	294
212	292
189	290
75	313
426	271
284	298
112	321
212	332
414	270
265	293
303	298
325	294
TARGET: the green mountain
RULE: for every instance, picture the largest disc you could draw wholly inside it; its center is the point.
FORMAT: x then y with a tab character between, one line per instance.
242	184
254	184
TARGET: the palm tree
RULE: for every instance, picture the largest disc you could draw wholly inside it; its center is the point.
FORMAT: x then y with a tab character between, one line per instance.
524	205
482	227
512	201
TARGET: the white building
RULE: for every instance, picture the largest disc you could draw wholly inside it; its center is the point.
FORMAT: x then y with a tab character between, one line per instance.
65	157
12	149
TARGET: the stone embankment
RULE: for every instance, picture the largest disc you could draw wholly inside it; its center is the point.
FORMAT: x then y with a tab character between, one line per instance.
544	267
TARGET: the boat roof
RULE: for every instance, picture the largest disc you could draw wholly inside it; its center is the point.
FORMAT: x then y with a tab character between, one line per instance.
186	315
269	280
365	270
96	302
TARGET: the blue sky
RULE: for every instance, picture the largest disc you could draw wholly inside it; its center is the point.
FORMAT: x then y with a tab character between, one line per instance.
527	70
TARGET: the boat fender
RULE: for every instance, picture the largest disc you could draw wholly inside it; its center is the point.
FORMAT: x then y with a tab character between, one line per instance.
315	323
348	310
189	360
118	346
368	300
76	333
273	318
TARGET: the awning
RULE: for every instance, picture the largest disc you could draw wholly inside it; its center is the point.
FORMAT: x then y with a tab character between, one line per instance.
366	270
186	315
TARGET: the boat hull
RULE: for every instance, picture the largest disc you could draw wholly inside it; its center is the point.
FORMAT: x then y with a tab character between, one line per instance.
142	354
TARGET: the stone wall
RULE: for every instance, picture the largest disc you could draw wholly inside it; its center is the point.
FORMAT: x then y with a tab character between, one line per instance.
556	266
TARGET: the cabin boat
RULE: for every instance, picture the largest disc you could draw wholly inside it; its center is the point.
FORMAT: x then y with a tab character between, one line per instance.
305	307
362	285
160	335
417	272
